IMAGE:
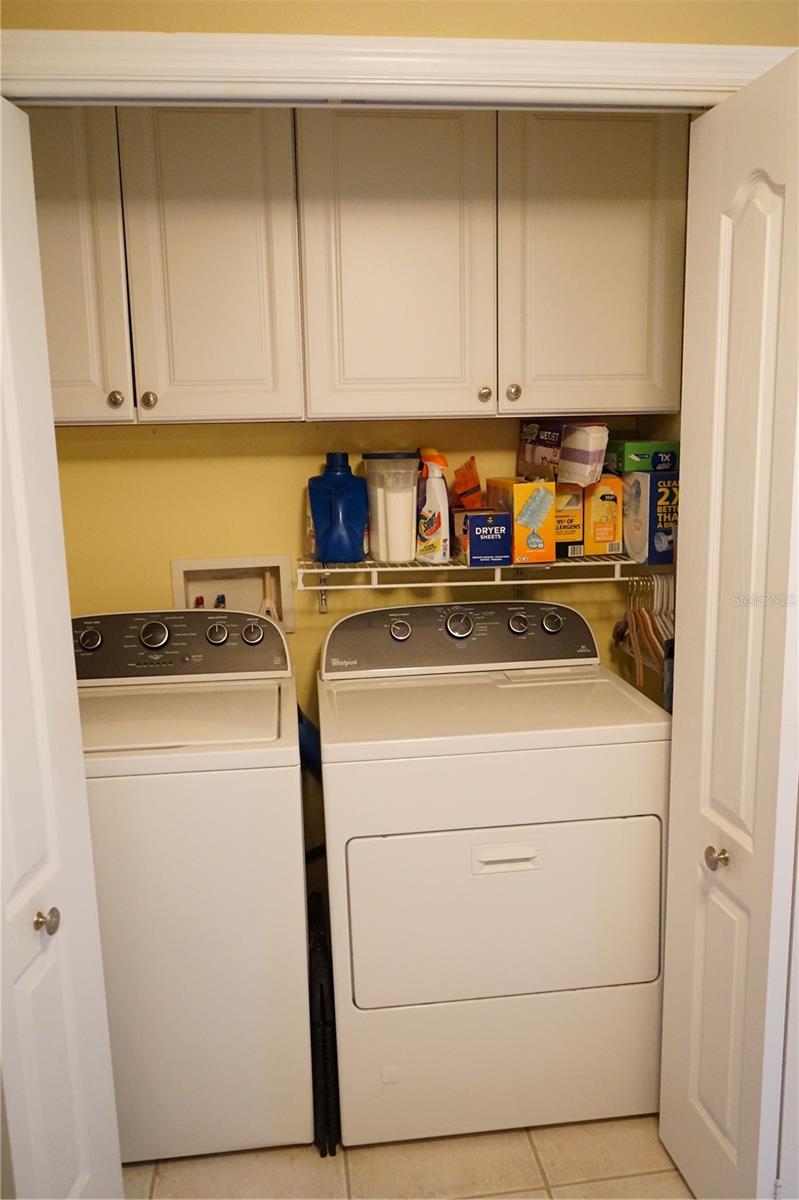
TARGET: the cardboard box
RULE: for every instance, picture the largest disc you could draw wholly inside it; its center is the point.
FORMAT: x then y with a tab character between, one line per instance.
531	503
651	509
482	537
569	521
603	516
539	449
568	450
627	455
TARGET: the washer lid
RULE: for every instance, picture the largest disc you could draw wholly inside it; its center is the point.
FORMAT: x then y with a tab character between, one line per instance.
166	716
478	713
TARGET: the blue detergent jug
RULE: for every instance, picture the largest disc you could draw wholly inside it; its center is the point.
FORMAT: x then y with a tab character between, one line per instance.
338	509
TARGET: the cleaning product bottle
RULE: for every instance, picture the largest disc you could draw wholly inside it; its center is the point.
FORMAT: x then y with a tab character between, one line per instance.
432	539
338	508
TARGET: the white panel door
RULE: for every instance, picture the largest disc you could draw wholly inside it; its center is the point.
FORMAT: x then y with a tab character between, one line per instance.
591	250
211	224
789	1133
57	1084
82	246
734	766
586	895
398	214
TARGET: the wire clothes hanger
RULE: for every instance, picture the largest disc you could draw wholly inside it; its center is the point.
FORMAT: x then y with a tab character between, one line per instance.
648	622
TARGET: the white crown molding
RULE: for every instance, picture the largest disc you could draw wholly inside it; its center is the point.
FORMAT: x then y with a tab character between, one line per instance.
96	66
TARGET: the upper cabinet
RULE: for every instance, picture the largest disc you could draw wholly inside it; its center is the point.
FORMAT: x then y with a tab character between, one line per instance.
591	255
82	247
398	229
399	225
210	232
454	263
210	219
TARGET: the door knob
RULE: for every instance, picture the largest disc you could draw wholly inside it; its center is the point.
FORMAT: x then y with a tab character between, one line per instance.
485	393
513	391
716	858
149	400
115	399
50	923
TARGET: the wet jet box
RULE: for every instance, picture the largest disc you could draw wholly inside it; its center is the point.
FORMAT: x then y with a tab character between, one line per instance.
482	537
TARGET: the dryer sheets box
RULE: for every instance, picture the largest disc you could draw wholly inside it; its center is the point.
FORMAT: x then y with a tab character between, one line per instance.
482	537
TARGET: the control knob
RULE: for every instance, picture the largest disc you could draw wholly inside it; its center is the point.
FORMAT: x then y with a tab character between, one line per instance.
459	624
518	623
217	633
552	622
90	639
252	633
400	631
153	635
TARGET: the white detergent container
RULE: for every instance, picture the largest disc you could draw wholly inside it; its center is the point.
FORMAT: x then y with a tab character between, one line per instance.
391	481
432	537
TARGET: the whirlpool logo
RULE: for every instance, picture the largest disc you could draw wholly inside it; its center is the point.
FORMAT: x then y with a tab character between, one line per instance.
343	662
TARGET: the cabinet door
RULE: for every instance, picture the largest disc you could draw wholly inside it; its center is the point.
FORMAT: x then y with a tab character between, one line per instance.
79	214
210	218
591	237
398	213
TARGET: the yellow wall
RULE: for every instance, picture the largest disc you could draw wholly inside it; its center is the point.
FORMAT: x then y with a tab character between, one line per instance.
758	22
134	498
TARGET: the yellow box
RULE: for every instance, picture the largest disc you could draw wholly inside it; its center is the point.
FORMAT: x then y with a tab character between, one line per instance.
568	512
532	503
603	516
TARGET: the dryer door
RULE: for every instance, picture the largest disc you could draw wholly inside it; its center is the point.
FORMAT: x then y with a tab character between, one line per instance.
477	913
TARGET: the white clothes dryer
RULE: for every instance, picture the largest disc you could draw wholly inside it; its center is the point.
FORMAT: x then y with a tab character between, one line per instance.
495	803
192	760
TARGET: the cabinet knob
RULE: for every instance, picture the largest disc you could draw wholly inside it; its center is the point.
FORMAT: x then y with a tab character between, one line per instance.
50	922
513	391
149	400
115	399
484	394
716	858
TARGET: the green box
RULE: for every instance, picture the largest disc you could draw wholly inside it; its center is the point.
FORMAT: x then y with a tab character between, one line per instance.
622	455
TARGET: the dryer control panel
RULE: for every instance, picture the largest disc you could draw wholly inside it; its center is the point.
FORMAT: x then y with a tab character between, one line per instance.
477	636
175	643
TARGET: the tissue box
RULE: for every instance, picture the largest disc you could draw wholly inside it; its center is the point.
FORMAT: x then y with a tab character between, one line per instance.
651	504
602	519
482	537
622	455
568	521
532	506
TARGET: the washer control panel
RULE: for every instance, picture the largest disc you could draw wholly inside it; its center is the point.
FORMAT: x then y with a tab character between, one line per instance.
458	637
147	645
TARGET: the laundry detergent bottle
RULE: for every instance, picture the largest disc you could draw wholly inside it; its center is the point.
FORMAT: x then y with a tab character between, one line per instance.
432	538
338	510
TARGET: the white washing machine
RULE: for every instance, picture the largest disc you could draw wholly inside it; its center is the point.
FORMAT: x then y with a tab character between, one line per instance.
190	736
495	804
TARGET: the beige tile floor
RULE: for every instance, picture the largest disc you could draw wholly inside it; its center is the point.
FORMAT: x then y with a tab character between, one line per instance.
600	1160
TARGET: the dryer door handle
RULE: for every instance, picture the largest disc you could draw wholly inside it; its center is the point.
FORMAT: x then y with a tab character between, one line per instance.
507	856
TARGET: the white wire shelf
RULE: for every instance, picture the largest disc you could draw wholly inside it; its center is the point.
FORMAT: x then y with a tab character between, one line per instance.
369	574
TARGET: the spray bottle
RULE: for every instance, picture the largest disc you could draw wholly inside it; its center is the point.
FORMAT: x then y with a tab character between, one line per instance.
432	540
